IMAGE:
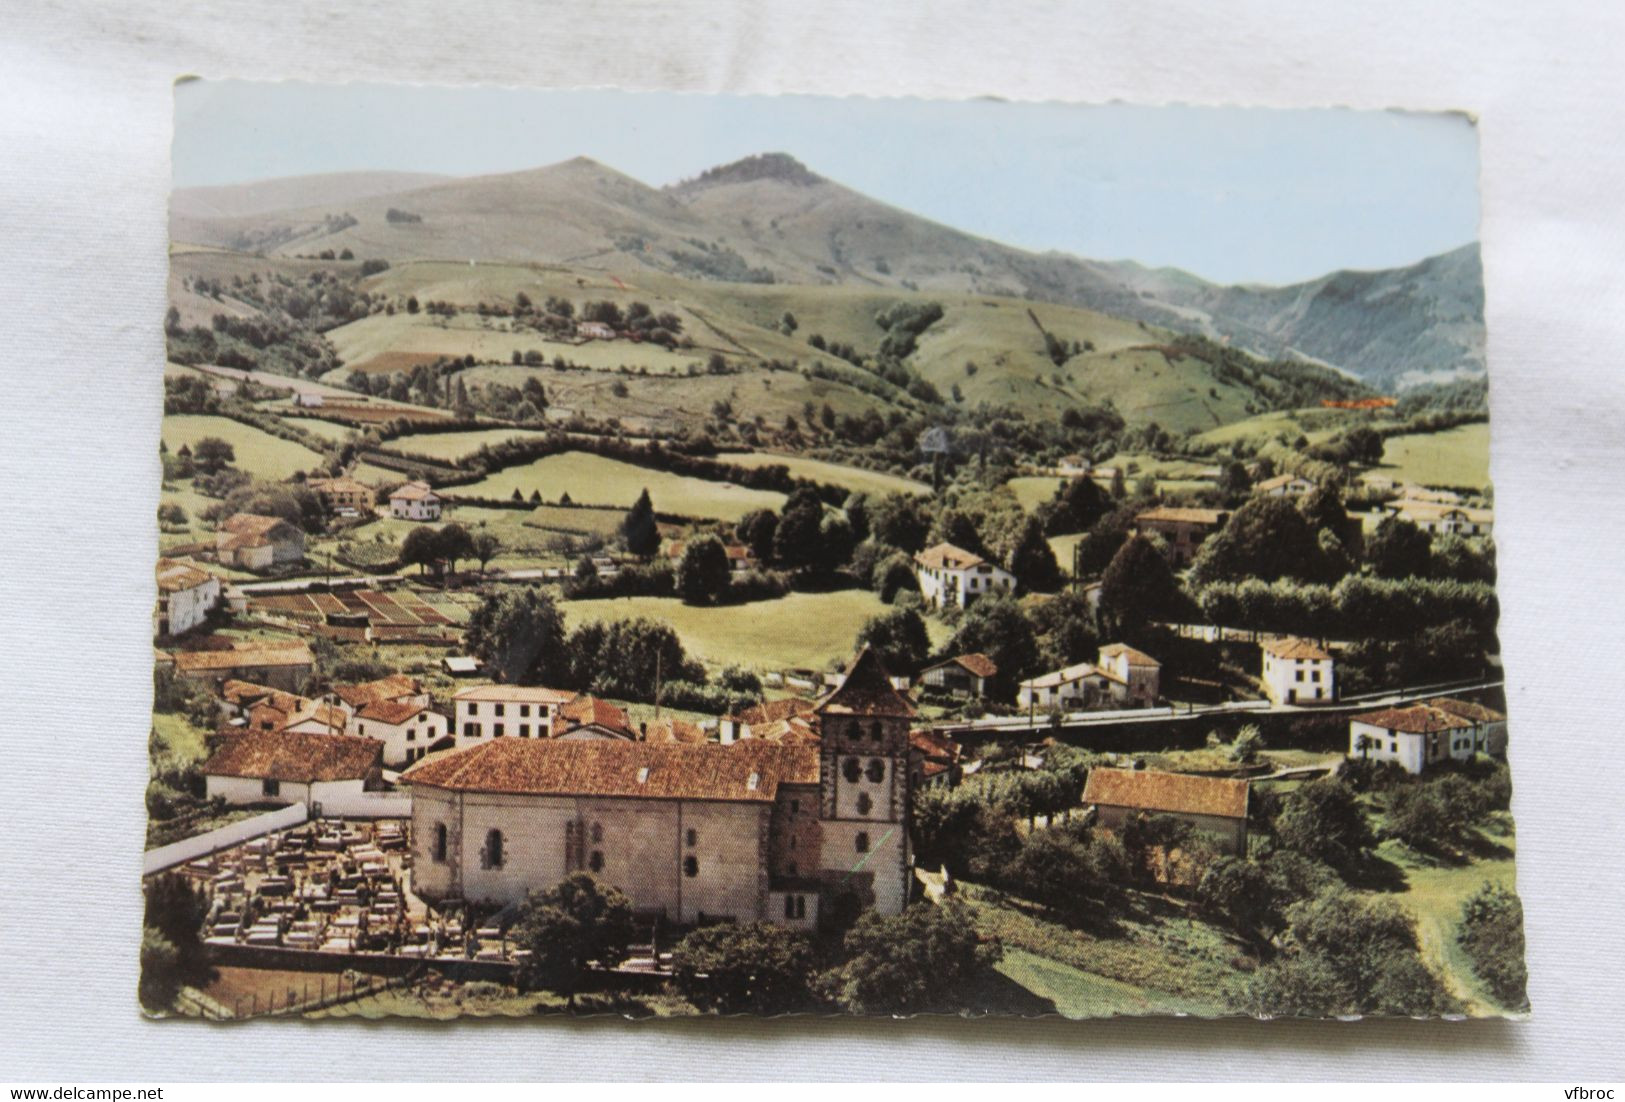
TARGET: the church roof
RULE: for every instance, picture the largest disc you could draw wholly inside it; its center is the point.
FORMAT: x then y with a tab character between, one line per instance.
866	690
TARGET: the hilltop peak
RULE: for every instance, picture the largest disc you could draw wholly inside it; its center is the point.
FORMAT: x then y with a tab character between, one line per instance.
759	166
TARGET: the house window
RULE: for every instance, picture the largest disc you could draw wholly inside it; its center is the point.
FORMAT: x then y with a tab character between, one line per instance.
268	787
524	730
876	771
496	730
795	906
851	770
865	804
440	842
874	730
795	807
597	833
691	866
471	730
497	710
1314	675
473	709
411	734
596	861
1298	676
360	728
861	842
491	856
524	711
693	837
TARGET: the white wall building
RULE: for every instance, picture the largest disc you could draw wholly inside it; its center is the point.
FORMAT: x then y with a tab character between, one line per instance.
414	501
186	596
283	767
406	729
482	712
1284	485
1297	671
1440	518
1121	677
951	577
1415	737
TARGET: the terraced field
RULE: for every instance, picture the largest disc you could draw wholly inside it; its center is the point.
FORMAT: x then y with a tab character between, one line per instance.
594	480
259	453
853	478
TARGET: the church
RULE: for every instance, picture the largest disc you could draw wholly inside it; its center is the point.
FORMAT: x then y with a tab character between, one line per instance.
751	831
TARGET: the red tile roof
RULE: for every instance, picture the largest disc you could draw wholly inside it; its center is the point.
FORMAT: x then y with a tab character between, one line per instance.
393	712
515	694
670	729
977	665
1301	650
175	576
302	758
294	653
1171	793
945	556
1172	514
933	745
413	491
253	530
768	711
1418	719
1135	657
587	710
393	687
243	693
1466	709
746	772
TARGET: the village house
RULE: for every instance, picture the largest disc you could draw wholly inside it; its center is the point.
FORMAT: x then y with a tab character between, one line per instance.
1423	735
186	596
962	675
740	557
414	501
287	768
1121	677
344	495
1073	466
482	712
314	717
748	722
396	688
240	699
1439	518
1183	530
1138	671
1215	807
951	577
407	729
934	759
460	665
1298	671
594	331
671	729
251	542
280	665
752	831
1283	485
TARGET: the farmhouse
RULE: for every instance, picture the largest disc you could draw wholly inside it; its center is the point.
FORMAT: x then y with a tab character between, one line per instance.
251	542
1182	530
1439	518
1121	678
343	495
963	675
186	596
407	729
313	717
758	717
285	665
951	577
414	501
482	712
239	699
740	557
934	759
288	768
1214	806
670	729
1283	485
1424	735
397	688
1298	671
594	331
753	831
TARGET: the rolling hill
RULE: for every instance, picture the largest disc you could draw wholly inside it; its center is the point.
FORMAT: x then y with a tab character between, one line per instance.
769	220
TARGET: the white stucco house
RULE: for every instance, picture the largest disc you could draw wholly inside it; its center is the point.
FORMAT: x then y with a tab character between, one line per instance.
407	730
1298	671
1283	485
483	712
414	501
1121	677
1427	734
186	596
249	541
1438	518
951	577
284	767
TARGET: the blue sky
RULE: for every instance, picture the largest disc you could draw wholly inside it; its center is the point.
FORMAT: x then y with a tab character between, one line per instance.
1231	194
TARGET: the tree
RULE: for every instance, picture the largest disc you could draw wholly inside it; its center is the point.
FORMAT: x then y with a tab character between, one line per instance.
703	572
1399	549
899	520
1491	934
1138	588
161	978
569	928
797	539
894	575
787	324
1242	894
996	626
756	529
1104	539
757	968
1249	741
1266	538
485	546
1033	559
955	527
420	547
1435	816
212	453
1065	627
452	543
1322	820
412	304
899	638
921	960
1234	481
519	633
835	544
639	529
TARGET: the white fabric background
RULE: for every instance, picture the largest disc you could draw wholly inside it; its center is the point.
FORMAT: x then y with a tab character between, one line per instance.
84	132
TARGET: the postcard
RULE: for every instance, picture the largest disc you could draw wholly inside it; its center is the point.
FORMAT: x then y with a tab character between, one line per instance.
646	554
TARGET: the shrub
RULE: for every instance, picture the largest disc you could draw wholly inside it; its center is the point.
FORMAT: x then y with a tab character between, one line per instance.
1492	936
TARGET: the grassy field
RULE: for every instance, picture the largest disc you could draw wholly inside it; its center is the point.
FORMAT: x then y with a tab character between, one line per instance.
853	478
1080	994
1063	547
327	430
798	631
594	480
259	453
527	535
454	446
1455	457
1033	490
1284	425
